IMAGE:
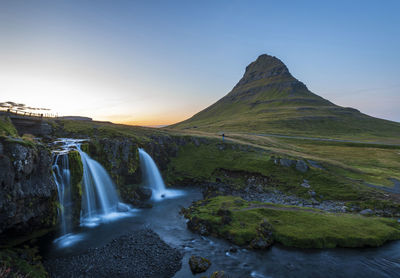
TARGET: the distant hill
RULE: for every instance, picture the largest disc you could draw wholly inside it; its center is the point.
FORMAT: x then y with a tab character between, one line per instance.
268	99
76	118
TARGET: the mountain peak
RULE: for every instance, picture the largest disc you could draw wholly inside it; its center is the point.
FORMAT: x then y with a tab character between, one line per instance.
265	66
268	99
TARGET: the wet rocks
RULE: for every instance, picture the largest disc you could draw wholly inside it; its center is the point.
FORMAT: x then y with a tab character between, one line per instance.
219	274
199	264
264	238
144	193
196	224
139	254
259	243
28	194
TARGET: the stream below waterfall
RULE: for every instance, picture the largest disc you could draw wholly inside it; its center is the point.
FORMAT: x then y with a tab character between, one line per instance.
278	261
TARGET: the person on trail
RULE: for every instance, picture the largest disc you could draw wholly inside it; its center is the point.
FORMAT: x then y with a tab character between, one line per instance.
223	136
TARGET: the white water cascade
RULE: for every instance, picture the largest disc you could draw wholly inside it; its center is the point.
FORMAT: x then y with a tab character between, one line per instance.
62	179
100	202
99	199
152	178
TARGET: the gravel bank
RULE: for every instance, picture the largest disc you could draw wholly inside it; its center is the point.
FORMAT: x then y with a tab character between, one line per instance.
139	254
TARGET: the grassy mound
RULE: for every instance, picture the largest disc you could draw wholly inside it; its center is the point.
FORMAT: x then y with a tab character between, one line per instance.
292	226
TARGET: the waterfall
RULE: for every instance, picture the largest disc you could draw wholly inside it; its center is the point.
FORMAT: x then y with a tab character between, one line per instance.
99	197
152	178
62	179
100	201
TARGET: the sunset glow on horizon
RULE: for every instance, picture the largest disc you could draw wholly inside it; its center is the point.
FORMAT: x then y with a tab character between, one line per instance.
158	63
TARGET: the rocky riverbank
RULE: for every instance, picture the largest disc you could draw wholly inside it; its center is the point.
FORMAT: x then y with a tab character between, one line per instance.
138	254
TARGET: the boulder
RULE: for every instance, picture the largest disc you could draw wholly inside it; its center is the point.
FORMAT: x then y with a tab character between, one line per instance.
287	162
301	166
264	238
198	225
305	184
366	212
259	243
144	193
199	264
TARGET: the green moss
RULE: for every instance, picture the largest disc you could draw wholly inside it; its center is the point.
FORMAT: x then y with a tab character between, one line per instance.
76	172
293	226
6	127
22	263
85	147
203	164
75	167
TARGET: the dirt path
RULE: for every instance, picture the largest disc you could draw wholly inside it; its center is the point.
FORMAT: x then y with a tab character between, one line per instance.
395	189
322	139
269	206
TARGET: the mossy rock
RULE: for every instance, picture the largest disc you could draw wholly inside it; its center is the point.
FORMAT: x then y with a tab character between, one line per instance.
199	264
21	263
76	172
219	274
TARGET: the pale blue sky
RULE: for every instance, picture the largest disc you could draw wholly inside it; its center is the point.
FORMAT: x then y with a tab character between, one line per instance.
162	61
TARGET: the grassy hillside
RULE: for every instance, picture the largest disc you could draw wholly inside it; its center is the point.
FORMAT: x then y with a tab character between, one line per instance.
268	99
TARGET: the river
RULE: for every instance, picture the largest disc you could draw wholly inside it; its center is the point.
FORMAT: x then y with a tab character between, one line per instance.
278	261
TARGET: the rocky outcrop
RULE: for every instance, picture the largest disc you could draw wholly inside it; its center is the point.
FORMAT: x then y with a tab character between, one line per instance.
199	264
299	165
28	194
264	237
120	157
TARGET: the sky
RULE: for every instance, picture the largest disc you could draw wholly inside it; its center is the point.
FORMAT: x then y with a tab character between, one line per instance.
160	62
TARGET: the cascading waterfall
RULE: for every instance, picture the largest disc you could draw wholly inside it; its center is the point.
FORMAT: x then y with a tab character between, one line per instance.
152	178
100	200
62	179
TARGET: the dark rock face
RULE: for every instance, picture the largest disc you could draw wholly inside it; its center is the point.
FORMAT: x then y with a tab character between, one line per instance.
28	194
270	73
265	66
119	156
199	264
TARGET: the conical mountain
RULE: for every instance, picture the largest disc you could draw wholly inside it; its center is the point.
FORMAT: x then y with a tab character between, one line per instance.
268	99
